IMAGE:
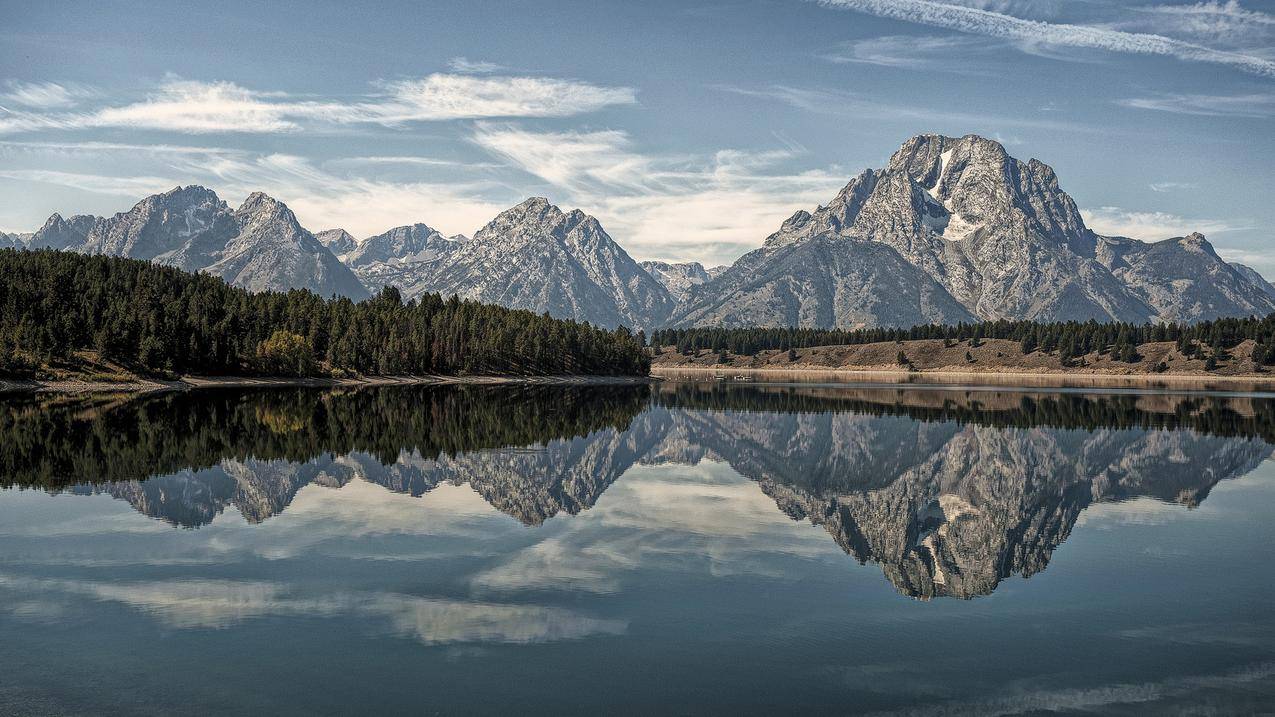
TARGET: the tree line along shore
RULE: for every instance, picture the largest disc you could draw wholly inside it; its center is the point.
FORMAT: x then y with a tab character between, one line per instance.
1224	346
1072	342
73	316
62	311
985	356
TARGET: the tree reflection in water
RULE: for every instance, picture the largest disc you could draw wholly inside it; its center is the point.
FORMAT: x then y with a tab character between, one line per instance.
949	491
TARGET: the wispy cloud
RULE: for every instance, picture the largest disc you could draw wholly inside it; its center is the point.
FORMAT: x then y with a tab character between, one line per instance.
851	104
708	208
1243	105
1150	226
577	161
736	530
133	187
1034	9
188	106
1224	22
188	604
358	203
911	52
44	95
413	161
467	66
997	24
78	149
1163	187
332	195
180	106
222	107
440	97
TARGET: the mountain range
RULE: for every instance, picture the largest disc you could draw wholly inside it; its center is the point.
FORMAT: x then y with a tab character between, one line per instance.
259	246
953	229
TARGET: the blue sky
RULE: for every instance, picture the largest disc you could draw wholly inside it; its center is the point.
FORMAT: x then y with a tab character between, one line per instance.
691	129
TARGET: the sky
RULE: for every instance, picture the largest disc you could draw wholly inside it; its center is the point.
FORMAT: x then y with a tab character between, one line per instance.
691	129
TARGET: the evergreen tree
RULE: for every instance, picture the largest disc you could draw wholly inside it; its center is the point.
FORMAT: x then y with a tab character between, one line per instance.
159	319
1028	344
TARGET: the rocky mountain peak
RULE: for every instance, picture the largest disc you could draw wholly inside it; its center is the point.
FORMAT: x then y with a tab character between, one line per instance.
972	182
260	203
181	199
833	219
401	245
191	193
59	233
532	204
1195	241
162	227
998	235
538	208
339	241
537	257
533	217
796	221
679	279
407	239
54	222
262	247
537	220
921	156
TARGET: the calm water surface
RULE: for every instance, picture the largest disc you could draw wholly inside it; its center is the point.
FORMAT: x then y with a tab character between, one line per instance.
687	548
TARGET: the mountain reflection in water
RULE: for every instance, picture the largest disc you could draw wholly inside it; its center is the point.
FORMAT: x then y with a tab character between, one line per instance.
949	491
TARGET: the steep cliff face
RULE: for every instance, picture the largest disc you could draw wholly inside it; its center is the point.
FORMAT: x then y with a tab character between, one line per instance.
837	216
404	257
1255	278
338	241
183	227
260	246
822	282
679	279
998	235
951	229
271	251
64	234
534	256
1183	279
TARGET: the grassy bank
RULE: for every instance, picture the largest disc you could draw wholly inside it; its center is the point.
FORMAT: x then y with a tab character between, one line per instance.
991	359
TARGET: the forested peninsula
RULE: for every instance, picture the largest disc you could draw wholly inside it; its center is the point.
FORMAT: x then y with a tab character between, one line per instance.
1231	348
60	309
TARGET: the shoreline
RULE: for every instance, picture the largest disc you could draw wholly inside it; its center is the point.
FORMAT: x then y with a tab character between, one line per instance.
902	378
1000	379
192	383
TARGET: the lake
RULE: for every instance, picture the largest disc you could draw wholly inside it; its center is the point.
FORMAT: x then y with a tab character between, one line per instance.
686	547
